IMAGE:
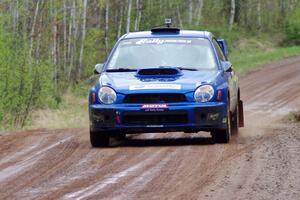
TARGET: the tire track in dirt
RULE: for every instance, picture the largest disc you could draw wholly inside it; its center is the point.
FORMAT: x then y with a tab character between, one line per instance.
110	180
76	178
29	161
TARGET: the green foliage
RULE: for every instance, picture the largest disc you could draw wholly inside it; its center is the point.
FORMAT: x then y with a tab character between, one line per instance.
23	86
231	37
95	52
251	57
293	27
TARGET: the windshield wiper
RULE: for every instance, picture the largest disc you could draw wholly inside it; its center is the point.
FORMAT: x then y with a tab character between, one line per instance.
186	68
121	70
181	68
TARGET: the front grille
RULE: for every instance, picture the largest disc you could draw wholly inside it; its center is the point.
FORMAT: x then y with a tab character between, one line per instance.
155	98
155	118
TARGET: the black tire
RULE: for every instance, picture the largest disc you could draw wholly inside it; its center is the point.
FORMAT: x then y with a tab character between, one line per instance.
121	136
98	139
220	136
223	136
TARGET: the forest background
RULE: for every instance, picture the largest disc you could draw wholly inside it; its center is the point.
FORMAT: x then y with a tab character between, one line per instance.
48	48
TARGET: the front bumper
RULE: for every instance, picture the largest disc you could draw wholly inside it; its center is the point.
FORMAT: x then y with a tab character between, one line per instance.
131	118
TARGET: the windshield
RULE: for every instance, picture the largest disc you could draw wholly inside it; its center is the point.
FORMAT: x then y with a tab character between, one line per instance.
192	53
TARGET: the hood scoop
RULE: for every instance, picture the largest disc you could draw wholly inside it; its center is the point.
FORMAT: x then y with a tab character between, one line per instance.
161	71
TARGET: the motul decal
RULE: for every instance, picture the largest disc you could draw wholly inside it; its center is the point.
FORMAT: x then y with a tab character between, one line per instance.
154	106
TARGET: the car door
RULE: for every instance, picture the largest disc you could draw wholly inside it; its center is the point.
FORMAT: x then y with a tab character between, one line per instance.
231	77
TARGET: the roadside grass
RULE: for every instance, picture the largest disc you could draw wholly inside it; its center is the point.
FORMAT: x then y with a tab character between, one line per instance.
71	113
248	59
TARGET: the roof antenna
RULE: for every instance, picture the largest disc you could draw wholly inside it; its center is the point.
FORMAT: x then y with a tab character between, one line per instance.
168	22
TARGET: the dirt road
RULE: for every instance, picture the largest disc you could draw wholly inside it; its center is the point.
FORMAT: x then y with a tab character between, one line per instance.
262	162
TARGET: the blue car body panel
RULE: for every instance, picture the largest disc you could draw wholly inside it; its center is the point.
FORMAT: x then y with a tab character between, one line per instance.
192	116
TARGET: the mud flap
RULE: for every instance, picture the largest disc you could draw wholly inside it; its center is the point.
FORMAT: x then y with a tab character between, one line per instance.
241	114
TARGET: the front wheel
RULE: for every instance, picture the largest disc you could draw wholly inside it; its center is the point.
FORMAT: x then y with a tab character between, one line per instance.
223	136
98	139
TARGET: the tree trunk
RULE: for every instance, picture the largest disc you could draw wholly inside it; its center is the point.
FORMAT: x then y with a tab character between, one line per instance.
190	12
38	40
282	7
99	15
82	38
121	11
65	36
24	23
54	46
199	12
232	14
72	36
54	34
179	17
106	27
259	23
15	16
128	16
32	34
138	15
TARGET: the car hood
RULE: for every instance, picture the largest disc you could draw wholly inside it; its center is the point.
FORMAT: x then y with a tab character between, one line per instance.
129	82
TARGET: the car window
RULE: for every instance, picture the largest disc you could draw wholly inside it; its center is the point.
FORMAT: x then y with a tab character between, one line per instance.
219	50
141	53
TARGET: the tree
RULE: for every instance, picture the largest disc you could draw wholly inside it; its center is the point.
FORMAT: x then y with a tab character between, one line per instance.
82	38
293	27
138	15
232	14
128	16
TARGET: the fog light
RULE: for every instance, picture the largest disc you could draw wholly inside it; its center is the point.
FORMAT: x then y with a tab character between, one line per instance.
99	118
224	120
213	116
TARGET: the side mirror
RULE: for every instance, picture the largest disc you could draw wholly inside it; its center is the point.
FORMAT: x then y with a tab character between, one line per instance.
98	68
227	66
223	46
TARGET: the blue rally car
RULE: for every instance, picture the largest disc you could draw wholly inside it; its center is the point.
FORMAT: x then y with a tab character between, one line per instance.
165	80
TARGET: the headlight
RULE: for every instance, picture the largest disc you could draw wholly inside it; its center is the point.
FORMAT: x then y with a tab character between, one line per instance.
107	95
204	93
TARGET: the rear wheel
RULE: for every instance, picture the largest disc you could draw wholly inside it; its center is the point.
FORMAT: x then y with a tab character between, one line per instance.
223	136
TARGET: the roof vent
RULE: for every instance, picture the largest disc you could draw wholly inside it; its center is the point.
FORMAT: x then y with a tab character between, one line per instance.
161	71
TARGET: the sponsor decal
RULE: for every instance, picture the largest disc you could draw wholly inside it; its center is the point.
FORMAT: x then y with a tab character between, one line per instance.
163	41
147	106
154	107
155	87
